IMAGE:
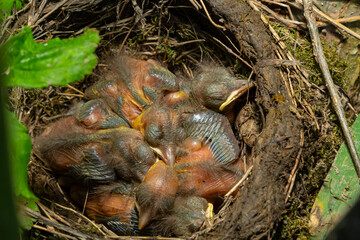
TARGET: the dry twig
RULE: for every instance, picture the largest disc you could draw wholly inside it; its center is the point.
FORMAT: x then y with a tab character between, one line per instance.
335	23
47	14
240	182
210	19
292	177
335	99
340	20
57	225
289	23
232	52
80	215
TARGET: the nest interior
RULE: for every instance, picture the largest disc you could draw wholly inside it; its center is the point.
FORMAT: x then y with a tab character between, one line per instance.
285	136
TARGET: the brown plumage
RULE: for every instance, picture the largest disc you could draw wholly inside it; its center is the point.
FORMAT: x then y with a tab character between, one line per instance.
160	126
78	146
186	217
61	144
114	203
155	196
130	85
201	175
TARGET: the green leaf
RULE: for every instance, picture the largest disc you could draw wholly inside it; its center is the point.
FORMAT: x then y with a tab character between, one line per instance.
57	62
7	5
339	191
25	221
19	153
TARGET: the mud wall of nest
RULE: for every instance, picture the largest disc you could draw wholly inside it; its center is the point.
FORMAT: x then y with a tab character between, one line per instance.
182	34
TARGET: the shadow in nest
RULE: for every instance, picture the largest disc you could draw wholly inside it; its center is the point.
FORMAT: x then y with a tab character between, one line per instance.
179	34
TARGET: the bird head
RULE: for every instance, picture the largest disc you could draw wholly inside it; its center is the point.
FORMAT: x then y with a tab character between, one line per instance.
156	194
216	88
146	79
160	126
187	216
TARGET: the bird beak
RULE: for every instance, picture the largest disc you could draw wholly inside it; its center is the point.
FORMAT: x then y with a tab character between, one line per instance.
174	97
209	214
166	153
245	85
144	218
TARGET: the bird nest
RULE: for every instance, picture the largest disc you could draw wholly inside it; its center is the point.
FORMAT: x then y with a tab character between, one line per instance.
182	35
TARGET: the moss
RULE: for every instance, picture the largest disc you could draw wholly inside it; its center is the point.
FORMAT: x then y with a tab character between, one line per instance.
166	48
315	166
297	227
301	48
321	144
89	229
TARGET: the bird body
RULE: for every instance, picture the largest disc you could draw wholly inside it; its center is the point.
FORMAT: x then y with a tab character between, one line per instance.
114	204
118	96
131	84
156	194
160	126
104	149
187	215
110	205
79	146
209	180
200	174
215	129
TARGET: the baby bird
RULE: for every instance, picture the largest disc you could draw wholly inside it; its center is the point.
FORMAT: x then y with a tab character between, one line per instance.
113	205
80	148
109	201
130	85
155	196
118	97
106	147
62	143
130	155
209	180
213	128
199	174
160	126
187	216
166	125
96	114
216	88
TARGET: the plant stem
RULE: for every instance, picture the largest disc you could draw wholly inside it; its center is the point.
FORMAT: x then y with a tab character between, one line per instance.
335	99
